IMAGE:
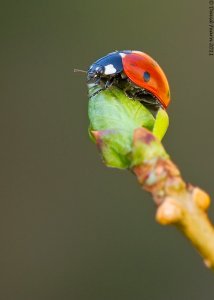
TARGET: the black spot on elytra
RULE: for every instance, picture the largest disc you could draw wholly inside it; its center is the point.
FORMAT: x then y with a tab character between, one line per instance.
146	76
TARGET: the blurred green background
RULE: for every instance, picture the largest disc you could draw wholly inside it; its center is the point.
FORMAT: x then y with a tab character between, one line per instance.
70	228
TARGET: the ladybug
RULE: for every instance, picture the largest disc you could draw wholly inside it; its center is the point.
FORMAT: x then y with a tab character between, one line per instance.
135	72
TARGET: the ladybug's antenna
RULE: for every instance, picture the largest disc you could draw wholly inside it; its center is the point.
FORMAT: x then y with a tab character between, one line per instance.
79	71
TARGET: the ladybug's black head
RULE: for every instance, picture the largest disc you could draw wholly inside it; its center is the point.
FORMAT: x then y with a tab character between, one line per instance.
106	67
95	72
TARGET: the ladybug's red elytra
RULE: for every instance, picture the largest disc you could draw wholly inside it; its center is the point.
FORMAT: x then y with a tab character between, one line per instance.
135	72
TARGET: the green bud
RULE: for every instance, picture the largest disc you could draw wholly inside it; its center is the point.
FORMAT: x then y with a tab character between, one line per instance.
113	118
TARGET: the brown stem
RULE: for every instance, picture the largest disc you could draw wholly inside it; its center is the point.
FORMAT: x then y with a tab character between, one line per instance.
177	202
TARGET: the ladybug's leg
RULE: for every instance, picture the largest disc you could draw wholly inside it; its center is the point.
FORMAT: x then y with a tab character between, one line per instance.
109	82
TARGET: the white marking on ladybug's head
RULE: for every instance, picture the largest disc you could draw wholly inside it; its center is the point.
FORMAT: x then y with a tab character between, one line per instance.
109	69
122	54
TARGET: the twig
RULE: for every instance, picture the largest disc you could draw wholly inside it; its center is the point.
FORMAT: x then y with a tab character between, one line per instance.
177	202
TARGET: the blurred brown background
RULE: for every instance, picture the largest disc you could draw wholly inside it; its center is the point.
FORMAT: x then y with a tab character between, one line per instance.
69	227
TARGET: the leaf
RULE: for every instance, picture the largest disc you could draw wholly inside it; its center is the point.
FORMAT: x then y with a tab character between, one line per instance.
113	118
